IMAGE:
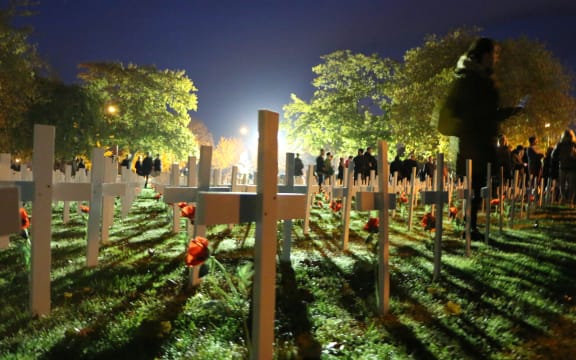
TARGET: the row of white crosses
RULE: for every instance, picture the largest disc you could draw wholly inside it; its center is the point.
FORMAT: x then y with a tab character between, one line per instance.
266	206
42	191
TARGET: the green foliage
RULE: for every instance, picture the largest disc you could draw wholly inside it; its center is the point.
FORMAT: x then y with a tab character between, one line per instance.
18	66
152	107
419	85
349	107
76	112
526	67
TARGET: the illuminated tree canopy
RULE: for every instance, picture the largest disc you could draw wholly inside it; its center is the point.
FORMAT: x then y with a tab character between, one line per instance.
152	107
349	107
227	153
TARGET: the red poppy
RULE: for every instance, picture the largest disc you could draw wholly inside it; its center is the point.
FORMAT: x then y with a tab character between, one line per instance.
188	211
532	197
84	209
453	212
336	205
182	204
403	198
372	225
495	202
428	222
198	251
157	196
25	219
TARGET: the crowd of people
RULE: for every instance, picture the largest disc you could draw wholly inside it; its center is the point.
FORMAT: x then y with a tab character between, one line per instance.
557	164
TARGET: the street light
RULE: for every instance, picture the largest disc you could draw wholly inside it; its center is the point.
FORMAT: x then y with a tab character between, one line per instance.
111	109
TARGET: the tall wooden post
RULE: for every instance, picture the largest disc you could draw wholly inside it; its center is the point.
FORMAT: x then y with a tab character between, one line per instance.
265	248
41	261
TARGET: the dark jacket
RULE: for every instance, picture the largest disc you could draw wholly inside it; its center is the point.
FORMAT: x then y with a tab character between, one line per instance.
370	164
474	101
359	165
146	166
319	165
407	166
396	166
298	167
157	165
562	155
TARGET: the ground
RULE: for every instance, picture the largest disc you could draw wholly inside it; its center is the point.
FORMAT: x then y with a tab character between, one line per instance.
513	298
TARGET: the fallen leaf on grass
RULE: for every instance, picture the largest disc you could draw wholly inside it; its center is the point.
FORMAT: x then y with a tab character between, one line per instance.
452	308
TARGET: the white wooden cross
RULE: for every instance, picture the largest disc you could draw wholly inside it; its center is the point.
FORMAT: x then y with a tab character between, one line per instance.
412	196
266	207
379	201
198	180
289	187
100	193
439	198
486	193
40	193
346	193
465	194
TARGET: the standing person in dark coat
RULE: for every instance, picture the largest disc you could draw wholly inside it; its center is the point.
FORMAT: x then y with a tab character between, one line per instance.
503	158
429	168
320	169
370	163
564	161
359	166
126	161
407	165
534	156
298	166
341	166
396	167
138	166
147	165
472	106
157	166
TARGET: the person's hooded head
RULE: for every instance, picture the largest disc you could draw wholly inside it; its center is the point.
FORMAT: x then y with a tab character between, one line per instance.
480	56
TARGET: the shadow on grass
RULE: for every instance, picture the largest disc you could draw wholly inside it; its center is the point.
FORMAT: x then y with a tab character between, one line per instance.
293	310
143	341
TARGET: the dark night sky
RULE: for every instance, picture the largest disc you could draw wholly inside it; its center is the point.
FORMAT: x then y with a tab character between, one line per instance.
248	55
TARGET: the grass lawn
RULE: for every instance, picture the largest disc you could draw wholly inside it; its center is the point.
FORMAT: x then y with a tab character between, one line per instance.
512	299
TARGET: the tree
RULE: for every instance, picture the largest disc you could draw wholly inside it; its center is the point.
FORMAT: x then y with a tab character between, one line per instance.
151	107
75	111
528	68
349	107
201	133
525	67
420	84
19	63
227	153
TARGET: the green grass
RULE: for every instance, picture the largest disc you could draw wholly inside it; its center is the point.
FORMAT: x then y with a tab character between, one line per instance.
512	299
